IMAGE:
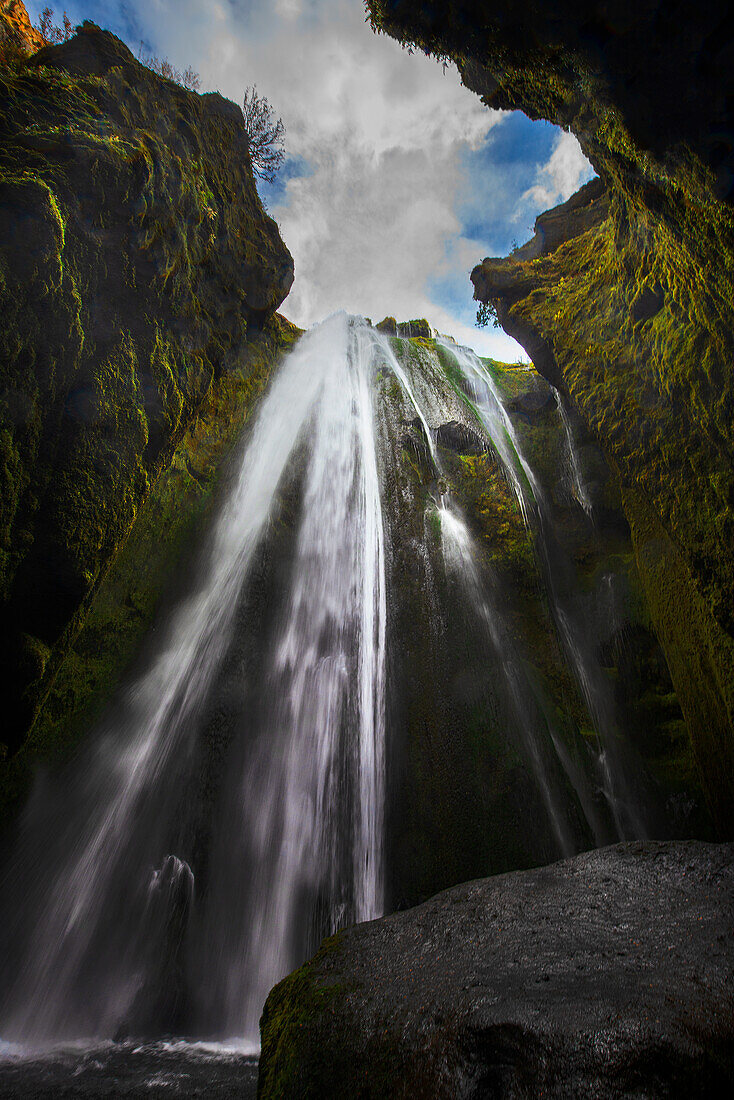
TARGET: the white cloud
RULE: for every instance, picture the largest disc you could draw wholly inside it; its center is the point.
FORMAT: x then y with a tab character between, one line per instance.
382	131
564	172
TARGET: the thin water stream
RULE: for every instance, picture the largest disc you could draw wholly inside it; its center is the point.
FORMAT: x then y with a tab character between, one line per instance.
615	770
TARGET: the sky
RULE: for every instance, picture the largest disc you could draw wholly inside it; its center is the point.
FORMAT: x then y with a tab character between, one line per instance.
397	179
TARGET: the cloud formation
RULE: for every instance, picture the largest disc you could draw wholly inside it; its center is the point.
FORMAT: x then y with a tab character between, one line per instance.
398	181
566	170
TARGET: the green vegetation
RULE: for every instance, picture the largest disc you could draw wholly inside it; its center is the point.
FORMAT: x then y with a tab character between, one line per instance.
157	552
461	780
644	367
294	1009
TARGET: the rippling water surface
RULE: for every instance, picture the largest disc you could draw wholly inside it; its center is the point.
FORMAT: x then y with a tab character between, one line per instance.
165	1068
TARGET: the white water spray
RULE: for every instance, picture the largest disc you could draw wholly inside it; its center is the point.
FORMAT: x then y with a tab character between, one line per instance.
324	778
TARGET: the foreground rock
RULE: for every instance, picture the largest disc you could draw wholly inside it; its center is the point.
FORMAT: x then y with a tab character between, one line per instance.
606	975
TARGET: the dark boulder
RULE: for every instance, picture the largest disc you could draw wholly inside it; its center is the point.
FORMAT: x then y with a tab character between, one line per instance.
457	437
603	976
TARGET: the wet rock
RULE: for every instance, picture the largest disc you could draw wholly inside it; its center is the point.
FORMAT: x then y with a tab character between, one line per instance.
533	403
416	444
459	438
388	325
418	327
605	975
159	1007
648	302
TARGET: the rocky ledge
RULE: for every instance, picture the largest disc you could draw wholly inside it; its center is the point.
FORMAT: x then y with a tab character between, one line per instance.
606	975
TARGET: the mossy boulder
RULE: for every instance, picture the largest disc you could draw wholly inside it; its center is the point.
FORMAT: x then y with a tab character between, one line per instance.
418	327
136	265
606	975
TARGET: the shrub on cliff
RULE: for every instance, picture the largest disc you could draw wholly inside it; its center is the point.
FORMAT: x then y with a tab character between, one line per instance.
188	78
53	34
264	135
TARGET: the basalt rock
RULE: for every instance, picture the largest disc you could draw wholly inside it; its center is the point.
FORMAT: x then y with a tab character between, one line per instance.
460	439
603	976
137	268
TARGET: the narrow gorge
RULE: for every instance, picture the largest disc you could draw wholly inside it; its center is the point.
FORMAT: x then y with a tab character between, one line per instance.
368	701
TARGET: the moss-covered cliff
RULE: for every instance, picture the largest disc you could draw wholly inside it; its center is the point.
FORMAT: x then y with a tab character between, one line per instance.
137	271
631	311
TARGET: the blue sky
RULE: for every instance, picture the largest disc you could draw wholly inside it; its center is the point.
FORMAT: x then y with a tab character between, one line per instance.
398	180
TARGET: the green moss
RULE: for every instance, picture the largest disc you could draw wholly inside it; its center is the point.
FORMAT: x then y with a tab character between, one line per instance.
652	391
295	1012
634	320
693	648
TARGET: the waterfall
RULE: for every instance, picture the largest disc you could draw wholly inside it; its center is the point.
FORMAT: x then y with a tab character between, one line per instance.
614	768
309	802
232	808
528	723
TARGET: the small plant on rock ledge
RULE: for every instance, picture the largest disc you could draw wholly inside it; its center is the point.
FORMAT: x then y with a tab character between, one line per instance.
188	79
486	312
54	33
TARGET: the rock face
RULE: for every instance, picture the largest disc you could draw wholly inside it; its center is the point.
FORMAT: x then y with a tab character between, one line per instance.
417	327
137	268
18	37
603	976
625	297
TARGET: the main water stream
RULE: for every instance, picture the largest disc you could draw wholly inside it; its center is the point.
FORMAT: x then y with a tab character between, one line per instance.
147	901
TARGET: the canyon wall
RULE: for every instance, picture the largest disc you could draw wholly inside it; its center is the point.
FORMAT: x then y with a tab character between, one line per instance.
625	299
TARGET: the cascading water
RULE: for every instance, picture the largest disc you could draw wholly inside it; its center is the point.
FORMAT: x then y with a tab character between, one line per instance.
312	787
234	808
578	484
614	771
529	721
